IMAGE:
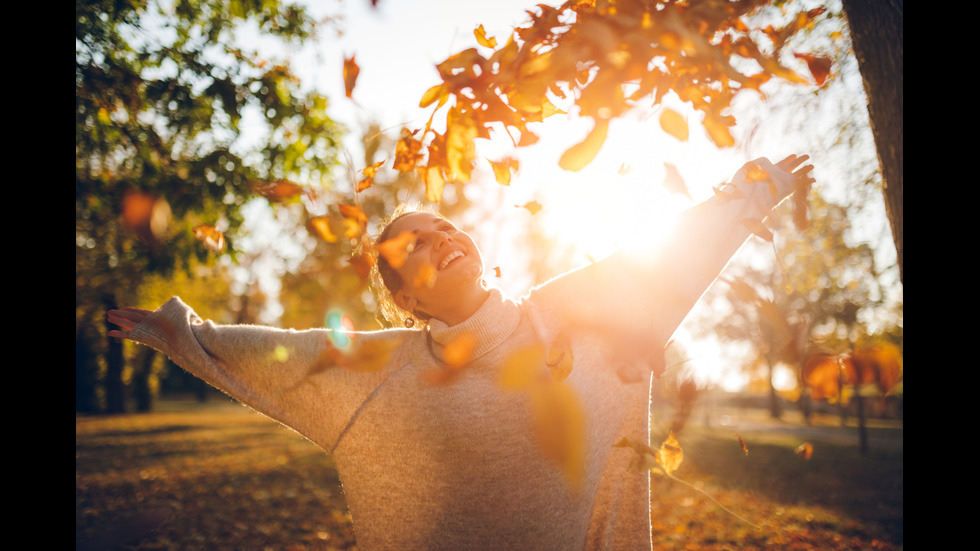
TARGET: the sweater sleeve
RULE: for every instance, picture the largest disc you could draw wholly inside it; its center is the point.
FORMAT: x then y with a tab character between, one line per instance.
639	297
300	378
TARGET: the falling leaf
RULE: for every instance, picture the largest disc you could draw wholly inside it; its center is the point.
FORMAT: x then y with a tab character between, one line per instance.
369	173
321	224
741	443
533	207
407	152
819	66
674	124
805	450
282	190
362	264
522	368
425	277
559	427
670	455
559	359
673	182
211	237
354	213
396	250
580	155
458	352
758	228
482	40
496	271
351	70
504	169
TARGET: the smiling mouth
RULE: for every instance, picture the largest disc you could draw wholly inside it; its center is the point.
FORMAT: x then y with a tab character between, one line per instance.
450	258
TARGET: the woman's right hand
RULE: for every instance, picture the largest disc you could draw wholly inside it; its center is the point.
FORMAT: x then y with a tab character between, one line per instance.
126	318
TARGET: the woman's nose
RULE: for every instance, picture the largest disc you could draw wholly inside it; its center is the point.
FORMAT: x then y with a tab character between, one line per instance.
441	239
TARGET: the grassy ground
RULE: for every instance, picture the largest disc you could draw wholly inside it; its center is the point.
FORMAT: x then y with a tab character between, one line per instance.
218	476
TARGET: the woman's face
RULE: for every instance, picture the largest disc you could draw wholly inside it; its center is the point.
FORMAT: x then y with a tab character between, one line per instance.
443	270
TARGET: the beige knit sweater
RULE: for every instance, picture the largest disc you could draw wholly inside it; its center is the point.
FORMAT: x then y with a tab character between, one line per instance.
429	466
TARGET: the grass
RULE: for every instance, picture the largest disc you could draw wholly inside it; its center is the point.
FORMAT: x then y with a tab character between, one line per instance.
218	476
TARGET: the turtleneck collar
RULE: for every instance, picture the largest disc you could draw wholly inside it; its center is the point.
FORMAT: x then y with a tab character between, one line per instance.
491	324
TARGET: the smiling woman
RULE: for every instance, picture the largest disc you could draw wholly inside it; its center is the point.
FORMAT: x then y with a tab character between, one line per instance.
513	444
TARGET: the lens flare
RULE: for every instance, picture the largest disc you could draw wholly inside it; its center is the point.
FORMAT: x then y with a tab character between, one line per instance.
341	327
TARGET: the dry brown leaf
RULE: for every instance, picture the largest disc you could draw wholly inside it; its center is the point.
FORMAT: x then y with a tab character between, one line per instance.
351	70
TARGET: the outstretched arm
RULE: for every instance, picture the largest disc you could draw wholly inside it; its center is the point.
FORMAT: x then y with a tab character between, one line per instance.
296	377
709	234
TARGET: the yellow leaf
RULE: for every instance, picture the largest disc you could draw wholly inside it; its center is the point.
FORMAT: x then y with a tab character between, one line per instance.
580	155
670	455
321	224
559	426
503	169
674	124
533	207
522	368
437	92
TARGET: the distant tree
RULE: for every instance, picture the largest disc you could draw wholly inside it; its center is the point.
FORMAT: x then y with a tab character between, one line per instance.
176	127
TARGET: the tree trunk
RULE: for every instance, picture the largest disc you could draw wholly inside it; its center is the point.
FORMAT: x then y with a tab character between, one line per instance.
143	380
877	35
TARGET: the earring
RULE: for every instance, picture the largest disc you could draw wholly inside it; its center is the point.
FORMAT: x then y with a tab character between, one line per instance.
409	322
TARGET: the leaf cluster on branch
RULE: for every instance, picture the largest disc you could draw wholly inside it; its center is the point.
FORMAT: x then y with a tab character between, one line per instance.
604	57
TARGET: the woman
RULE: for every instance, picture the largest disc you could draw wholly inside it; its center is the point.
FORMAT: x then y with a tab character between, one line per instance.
466	465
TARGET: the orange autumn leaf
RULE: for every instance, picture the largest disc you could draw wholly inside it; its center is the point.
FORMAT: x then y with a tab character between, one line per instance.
369	173
425	277
674	124
496	271
670	455
805	450
581	154
407	152
533	207
351	70
396	250
362	264
819	66
741	443
211	237
482	40
458	352
352	212
282	190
